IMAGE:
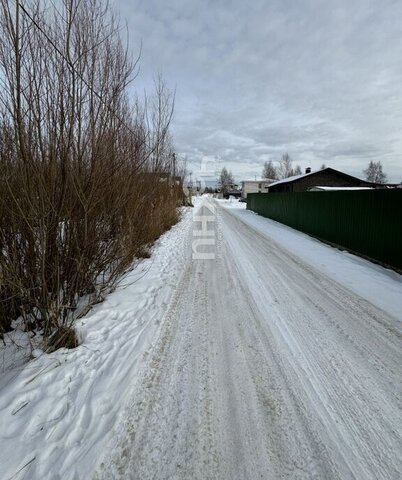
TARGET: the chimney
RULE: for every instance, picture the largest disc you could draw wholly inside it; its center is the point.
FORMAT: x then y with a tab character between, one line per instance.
308	170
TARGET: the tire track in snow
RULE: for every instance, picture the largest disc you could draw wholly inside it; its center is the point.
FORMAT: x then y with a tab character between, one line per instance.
265	368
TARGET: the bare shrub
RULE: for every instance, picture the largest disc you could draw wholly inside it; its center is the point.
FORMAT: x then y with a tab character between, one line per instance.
87	178
64	336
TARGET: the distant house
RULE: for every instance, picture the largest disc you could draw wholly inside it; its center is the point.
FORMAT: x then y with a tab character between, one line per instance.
255	186
327	177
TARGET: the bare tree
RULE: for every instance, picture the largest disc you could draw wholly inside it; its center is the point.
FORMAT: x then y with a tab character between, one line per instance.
374	172
297	170
269	171
87	178
285	166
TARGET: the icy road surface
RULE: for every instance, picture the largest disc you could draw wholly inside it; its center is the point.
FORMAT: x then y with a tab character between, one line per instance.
264	368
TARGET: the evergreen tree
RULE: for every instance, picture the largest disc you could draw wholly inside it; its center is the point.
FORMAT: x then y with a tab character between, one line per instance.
226	180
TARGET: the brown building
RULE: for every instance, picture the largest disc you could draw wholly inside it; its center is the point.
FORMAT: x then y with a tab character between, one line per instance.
328	177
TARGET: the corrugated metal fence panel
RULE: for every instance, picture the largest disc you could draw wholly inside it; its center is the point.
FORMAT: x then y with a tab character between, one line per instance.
366	222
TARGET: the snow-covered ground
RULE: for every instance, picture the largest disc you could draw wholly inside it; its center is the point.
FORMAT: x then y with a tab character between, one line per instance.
56	412
266	368
279	358
380	286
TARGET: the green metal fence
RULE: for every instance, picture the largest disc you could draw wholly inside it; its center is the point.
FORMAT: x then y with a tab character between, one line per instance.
368	222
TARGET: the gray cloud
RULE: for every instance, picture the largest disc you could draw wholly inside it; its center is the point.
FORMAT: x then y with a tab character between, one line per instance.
319	79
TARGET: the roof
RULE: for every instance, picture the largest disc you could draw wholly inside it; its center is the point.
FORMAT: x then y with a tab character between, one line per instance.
333	189
259	181
297	177
294	177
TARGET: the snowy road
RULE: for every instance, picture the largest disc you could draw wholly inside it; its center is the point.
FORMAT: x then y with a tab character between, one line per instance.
264	368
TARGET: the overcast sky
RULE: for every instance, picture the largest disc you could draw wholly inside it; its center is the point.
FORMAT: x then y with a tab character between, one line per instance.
319	79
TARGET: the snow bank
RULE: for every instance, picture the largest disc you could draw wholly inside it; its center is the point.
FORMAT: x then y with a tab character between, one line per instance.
380	286
232	203
57	410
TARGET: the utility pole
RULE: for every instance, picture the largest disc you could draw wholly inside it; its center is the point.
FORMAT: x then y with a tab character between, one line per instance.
190	187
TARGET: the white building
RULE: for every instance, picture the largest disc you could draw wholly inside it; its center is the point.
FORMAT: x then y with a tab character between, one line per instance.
255	186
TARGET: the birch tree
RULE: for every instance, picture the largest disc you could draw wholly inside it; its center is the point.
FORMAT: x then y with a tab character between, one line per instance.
374	172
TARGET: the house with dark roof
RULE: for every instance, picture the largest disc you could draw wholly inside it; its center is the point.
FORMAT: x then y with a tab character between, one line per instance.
327	177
